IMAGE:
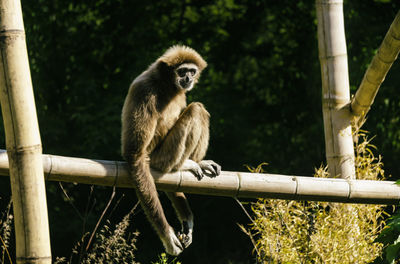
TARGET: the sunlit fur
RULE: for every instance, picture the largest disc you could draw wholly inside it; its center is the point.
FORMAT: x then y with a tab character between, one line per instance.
161	131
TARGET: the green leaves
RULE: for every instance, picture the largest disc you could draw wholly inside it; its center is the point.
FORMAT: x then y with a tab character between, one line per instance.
390	237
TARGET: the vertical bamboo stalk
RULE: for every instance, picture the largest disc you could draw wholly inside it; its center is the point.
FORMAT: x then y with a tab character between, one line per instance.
335	88
23	142
377	70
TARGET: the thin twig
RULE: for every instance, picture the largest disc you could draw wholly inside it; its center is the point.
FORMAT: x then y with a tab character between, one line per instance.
70	200
244	209
5	247
101	218
84	222
248	233
116	205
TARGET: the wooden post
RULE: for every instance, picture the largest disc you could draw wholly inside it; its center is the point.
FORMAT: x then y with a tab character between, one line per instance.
335	89
377	70
22	139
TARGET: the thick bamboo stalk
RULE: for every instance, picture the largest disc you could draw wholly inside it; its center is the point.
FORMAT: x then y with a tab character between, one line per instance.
231	184
22	139
335	89
377	70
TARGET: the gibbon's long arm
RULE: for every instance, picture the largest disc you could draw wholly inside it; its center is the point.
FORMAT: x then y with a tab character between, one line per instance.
139	170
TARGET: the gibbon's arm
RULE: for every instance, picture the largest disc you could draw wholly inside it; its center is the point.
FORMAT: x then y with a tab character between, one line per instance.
142	133
142	136
139	122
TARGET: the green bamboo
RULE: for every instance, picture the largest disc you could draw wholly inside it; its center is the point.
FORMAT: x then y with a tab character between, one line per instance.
377	70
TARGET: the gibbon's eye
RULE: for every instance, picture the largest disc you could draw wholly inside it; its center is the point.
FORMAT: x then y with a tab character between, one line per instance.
182	72
193	71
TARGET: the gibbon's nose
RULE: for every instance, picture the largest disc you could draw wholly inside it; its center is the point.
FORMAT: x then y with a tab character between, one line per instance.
187	79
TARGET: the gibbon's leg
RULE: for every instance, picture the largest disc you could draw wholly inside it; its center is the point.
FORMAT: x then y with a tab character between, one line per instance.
182	141
186	144
185	216
209	167
188	138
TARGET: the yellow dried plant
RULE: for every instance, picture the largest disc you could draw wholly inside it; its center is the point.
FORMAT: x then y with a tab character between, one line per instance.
320	232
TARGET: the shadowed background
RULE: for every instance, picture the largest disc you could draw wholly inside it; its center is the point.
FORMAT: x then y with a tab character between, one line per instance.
262	88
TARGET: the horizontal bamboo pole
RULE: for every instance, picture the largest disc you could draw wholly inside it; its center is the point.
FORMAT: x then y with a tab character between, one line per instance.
231	184
377	70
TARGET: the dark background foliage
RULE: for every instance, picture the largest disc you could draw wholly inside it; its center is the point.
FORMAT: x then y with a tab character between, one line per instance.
262	88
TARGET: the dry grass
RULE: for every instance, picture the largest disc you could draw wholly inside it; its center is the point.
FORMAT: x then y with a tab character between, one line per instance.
6	225
111	245
320	232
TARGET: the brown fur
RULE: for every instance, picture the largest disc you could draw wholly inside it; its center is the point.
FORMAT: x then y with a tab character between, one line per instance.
160	131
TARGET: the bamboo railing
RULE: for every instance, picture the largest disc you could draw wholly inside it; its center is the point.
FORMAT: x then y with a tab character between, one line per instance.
229	183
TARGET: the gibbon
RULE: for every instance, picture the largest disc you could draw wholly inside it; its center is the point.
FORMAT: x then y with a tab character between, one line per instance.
160	131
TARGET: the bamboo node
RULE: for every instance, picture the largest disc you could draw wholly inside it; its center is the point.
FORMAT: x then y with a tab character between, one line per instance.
239	184
332	56
7	36
50	167
348	180
11	32
296	190
329	2
31	259
25	149
389	63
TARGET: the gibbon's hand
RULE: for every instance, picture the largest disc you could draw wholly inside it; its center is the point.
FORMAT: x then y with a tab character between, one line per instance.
210	168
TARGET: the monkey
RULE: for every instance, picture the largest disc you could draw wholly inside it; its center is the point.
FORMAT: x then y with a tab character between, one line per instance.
159	130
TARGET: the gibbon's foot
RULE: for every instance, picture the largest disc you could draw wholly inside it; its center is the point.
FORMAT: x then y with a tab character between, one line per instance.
172	244
210	168
186	235
186	239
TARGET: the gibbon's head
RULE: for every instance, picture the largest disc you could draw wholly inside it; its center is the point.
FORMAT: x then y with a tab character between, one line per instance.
186	64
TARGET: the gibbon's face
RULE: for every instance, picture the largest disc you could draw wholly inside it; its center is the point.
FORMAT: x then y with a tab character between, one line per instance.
186	76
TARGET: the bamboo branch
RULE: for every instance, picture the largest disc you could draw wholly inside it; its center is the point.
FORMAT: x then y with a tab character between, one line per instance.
377	70
335	88
231	184
22	139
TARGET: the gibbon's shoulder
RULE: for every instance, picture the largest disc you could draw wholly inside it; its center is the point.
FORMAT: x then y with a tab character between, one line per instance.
179	54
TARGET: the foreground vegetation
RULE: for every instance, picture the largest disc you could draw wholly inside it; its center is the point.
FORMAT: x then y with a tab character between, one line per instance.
320	232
